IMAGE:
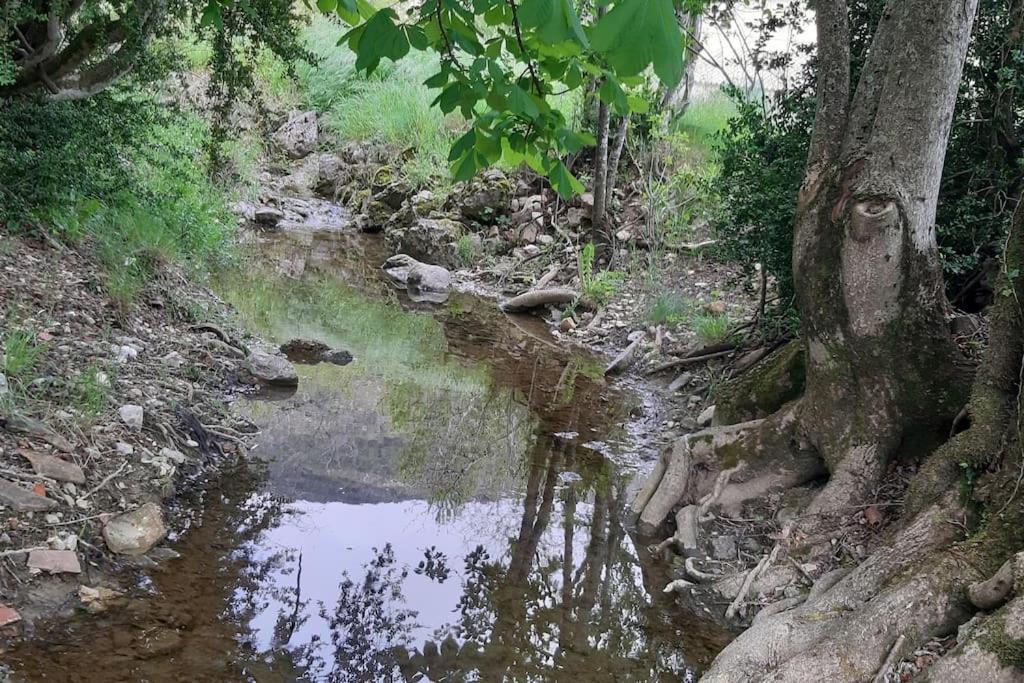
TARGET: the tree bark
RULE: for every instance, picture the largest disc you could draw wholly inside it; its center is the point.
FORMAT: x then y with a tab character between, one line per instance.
597	217
613	159
881	362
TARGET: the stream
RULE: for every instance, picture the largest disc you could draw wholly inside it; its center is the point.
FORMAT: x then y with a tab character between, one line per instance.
447	507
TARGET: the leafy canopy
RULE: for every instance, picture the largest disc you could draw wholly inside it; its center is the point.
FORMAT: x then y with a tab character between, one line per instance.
501	61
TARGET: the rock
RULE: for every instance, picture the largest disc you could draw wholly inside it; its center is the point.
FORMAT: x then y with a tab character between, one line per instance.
55	561
706	416
528	235
123	448
4	387
531	250
98	599
132	416
271	369
680	382
715	307
125	353
688	424
54	468
567	325
336	357
423	281
623	235
177	457
8	615
428	240
304	350
723	547
575	216
485	197
173	360
587	200
297	137
873	515
23	500
268	216
135	532
545	240
18	424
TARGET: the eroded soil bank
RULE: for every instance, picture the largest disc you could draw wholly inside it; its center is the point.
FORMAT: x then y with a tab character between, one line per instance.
449	505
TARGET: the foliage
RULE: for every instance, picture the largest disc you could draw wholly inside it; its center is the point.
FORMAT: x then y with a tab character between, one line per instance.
391	105
710	329
668	308
89	391
499	61
20	354
598	287
763	152
761	157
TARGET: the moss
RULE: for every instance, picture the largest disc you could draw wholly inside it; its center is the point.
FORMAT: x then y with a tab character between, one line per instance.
763	389
995	639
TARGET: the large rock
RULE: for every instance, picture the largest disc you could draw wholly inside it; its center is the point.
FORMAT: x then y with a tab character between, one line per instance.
423	281
272	369
135	532
132	416
485	197
431	240
297	137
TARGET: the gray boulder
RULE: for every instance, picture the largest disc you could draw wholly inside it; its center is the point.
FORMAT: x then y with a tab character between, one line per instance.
135	532
273	370
423	281
427	239
268	216
485	197
297	137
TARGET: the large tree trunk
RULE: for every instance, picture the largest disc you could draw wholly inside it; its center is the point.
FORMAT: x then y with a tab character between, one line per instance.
881	362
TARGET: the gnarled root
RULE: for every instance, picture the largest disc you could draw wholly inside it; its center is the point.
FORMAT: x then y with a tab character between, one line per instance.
691	469
871	606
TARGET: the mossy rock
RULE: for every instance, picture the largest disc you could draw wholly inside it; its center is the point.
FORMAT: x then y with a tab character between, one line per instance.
763	389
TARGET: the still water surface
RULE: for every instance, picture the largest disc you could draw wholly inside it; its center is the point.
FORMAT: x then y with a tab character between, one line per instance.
447	507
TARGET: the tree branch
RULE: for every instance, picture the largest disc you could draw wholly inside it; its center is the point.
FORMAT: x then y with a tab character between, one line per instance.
833	24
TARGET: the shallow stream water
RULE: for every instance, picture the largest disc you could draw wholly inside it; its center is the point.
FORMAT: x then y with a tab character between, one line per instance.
447	507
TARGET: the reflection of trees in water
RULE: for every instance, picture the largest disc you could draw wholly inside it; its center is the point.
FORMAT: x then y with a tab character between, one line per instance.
460	445
544	610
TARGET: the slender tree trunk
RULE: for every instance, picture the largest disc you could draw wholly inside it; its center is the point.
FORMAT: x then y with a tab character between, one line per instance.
597	216
613	159
677	98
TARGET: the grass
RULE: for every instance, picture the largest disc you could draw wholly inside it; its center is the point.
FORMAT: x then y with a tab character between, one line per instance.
89	392
710	329
391	106
704	119
669	308
599	287
20	354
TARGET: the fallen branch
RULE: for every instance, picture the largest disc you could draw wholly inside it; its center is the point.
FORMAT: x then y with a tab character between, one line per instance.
106	480
702	577
8	553
689	360
748	581
890	660
537	298
548	276
626	358
720	483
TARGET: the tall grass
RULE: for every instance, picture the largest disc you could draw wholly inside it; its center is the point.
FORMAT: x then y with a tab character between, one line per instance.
391	105
705	118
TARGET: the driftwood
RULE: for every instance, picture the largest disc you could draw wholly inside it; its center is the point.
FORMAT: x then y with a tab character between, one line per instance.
537	298
548	276
624	359
688	360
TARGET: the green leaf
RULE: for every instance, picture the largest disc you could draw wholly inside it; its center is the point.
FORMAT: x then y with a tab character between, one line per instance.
463	145
327	6
612	94
438	80
638	105
211	15
381	38
555	21
520	102
562	181
638	33
468	165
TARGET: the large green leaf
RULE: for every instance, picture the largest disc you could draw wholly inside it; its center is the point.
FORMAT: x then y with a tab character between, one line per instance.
638	33
381	38
555	21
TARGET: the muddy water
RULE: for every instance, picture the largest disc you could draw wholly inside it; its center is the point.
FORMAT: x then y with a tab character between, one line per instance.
447	507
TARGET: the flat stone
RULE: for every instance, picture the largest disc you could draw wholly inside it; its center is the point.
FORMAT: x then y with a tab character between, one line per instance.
680	382
18	424
123	448
706	416
273	370
23	500
53	467
8	615
132	415
268	216
135	532
55	561
177	457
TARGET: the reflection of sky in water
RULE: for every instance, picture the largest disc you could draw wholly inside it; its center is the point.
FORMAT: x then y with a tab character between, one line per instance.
340	537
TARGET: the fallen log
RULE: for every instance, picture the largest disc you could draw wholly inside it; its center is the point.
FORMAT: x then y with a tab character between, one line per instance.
689	360
624	359
537	298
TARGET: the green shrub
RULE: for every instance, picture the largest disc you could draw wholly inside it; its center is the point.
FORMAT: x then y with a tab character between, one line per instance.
668	308
710	329
20	354
599	287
